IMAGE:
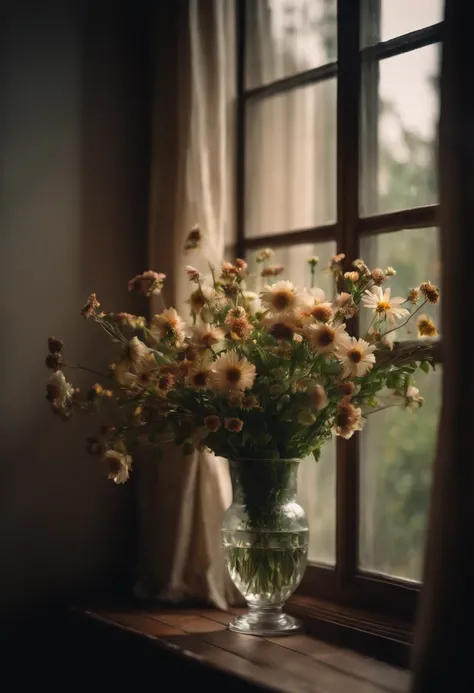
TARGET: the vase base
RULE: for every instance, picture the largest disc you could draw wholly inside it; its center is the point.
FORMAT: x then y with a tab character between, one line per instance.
267	622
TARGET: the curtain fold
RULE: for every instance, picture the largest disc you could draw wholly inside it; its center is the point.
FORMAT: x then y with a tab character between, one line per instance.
182	499
442	659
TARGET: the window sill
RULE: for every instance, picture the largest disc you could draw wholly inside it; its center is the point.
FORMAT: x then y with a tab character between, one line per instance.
198	639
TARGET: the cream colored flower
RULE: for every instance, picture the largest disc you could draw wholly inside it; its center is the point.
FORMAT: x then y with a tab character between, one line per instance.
413	397
319	312
60	389
317	397
264	254
232	373
351	276
200	375
281	298
356	357
201	297
348	420
386	307
207	335
167	326
119	465
426	327
137	351
325	339
344	305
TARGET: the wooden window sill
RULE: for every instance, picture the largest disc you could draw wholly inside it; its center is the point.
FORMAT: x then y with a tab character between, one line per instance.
295	664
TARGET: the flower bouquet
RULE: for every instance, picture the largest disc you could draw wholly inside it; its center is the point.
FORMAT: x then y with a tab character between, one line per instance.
260	379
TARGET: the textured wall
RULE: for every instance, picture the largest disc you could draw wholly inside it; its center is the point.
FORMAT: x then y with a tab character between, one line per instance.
74	171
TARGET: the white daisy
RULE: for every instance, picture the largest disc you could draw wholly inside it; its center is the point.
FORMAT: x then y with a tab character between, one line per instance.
281	298
232	373
356	357
386	307
325	339
119	465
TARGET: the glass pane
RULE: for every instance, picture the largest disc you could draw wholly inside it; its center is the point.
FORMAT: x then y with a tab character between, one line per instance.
296	269
414	254
317	495
316	480
284	37
398	17
397	450
291	160
399	131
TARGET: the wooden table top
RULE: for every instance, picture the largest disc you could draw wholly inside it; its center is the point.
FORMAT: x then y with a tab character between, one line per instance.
291	664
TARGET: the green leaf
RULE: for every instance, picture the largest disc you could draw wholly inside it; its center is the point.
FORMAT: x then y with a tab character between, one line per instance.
317	454
425	366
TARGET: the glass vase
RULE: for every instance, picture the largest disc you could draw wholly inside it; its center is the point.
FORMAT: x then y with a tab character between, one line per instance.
265	538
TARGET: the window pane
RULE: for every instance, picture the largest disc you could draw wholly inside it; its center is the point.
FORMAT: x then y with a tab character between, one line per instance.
399	131
284	37
317	495
295	261
397	449
316	480
414	254
291	160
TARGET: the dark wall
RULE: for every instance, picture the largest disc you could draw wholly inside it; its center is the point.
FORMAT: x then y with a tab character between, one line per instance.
74	177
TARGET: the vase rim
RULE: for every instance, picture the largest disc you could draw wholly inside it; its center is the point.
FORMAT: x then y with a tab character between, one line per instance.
266	459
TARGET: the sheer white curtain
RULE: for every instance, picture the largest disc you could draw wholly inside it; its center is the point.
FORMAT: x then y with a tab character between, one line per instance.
182	499
291	181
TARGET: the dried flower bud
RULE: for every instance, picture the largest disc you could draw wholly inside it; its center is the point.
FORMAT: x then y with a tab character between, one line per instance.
55	346
413	295
272	271
212	423
264	254
233	424
426	327
361	267
378	276
148	283
336	262
390	272
241	264
352	276
313	261
90	307
193	274
194	239
430	292
346	388
54	361
250	402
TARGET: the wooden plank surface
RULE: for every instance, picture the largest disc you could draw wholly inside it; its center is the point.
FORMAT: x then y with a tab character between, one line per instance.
296	664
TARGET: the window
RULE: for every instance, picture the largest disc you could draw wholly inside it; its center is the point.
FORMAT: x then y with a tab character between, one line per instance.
337	127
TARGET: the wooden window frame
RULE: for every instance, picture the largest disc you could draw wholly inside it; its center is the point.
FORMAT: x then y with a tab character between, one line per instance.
345	583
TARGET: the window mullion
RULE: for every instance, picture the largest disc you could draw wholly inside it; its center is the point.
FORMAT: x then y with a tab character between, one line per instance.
348	98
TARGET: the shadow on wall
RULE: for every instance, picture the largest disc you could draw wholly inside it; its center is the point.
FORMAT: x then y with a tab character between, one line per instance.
74	162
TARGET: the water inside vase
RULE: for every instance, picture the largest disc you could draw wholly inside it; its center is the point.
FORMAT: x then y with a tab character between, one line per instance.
265	566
